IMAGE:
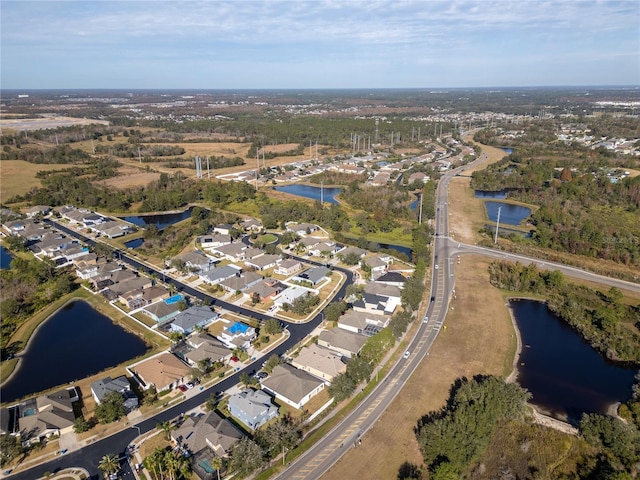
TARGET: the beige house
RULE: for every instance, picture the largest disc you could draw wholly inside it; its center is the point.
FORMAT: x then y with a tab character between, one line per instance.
164	371
50	414
293	386
320	362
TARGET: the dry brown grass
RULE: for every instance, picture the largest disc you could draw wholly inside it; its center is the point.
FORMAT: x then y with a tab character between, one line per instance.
479	339
17	177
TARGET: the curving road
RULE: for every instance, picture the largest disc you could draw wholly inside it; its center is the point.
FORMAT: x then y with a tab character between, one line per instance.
326	452
89	456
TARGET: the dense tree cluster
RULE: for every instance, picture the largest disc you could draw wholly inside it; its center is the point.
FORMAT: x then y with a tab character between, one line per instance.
599	318
450	439
619	442
28	286
51	155
582	211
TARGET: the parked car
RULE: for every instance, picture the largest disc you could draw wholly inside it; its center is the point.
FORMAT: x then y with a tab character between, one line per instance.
189	385
261	375
182	388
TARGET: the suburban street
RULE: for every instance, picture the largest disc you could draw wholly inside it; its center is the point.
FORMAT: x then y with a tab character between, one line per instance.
326	452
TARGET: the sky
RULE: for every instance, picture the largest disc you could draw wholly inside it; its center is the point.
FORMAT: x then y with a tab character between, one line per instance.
311	44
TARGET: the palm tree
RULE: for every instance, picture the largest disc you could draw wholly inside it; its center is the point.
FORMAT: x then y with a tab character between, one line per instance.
109	464
166	427
216	462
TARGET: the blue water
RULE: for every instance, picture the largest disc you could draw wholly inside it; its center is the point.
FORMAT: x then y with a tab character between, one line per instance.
509	214
500	195
175	299
507	150
398	248
5	258
565	375
135	243
72	344
160	220
309	191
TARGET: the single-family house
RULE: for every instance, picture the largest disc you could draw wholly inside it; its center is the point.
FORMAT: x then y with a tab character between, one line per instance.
204	347
358	252
372	303
223	228
164	371
383	289
120	385
251	225
312	275
309	242
324	249
140	297
237	335
114	291
293	386
342	341
265	290
187	321
241	283
50	414
365	323
38	210
161	312
214	240
288	267
392	278
289	295
219	274
195	261
262	262
376	264
234	252
252	407
302	229
210	431
113	229
320	362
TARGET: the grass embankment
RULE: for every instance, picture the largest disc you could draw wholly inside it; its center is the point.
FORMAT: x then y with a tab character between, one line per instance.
479	339
27	329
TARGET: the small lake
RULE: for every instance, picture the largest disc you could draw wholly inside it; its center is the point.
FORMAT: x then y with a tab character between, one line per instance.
308	191
5	258
509	151
499	195
135	243
509	214
72	344
160	220
398	248
565	375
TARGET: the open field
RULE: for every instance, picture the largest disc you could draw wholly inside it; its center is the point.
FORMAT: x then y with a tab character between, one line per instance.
129	176
17	177
45	121
479	339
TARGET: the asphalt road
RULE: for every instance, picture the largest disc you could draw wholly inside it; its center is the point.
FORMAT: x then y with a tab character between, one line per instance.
88	457
326	452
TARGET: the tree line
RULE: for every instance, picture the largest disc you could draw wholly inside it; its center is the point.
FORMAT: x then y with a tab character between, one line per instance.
602	319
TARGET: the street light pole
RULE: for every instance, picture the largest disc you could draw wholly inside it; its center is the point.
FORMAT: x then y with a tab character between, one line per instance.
137	428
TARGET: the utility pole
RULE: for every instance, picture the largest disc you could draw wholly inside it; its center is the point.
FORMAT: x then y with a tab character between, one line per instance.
420	216
495	241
